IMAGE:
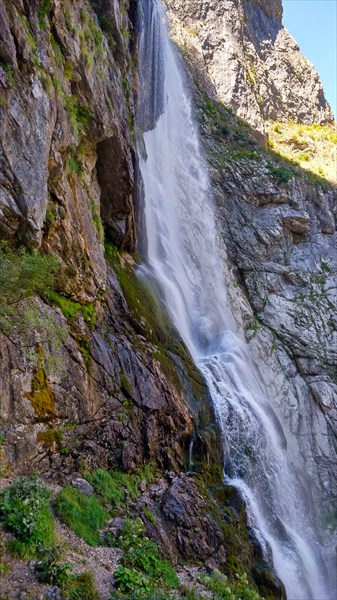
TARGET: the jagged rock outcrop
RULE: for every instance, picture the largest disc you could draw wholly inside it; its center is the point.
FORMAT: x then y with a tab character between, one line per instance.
252	63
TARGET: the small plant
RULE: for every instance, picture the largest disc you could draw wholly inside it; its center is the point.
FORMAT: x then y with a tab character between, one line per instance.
127	580
45	8
85	516
225	589
25	510
142	555
51	571
281	174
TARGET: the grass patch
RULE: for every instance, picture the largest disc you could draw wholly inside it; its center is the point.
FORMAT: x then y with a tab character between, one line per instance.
23	276
70	309
25	510
312	147
110	487
85	516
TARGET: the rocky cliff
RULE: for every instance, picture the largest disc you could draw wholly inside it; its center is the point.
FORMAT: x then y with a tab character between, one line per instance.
252	62
91	372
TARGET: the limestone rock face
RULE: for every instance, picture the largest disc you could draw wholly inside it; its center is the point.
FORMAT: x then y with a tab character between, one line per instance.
279	229
66	160
249	61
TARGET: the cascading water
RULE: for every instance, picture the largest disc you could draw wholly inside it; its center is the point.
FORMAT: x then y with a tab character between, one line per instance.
183	256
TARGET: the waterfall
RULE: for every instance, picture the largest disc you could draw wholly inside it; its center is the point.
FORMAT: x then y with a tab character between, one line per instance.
185	258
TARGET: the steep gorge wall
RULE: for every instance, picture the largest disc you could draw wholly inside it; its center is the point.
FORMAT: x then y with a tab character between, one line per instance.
251	62
124	390
66	172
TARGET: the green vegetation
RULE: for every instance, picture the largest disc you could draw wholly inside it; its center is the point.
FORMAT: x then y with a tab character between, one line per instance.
3	463
143	304
79	115
57	51
41	395
110	486
143	569
25	510
45	8
85	516
50	570
83	345
281	174
313	147
224	589
97	220
24	275
70	309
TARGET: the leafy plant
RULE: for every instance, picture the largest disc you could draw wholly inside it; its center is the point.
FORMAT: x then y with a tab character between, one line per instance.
50	570
128	580
142	554
85	516
25	510
222	588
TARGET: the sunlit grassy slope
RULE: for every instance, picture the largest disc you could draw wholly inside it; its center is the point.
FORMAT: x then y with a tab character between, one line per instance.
313	147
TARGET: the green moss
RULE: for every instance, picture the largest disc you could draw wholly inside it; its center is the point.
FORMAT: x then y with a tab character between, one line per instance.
85	516
83	345
68	68
145	310
50	438
71	309
41	395
125	383
44	10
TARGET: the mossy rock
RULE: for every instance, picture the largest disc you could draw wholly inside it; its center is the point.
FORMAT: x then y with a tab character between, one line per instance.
41	396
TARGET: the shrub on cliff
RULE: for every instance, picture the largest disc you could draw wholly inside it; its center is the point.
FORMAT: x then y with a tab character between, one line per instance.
25	510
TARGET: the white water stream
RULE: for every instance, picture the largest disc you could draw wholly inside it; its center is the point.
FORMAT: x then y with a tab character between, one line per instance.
184	257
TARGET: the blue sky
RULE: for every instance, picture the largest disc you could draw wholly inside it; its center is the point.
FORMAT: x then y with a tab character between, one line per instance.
313	24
